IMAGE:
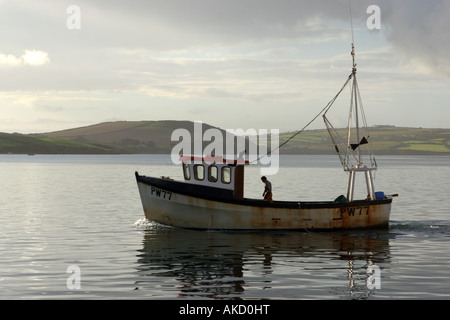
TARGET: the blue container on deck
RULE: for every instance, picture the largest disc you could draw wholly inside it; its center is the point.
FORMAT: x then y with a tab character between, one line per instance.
379	195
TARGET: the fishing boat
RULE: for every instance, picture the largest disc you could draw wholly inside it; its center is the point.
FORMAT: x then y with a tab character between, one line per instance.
211	196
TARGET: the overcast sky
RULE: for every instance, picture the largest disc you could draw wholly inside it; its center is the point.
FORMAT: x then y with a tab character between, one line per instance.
233	64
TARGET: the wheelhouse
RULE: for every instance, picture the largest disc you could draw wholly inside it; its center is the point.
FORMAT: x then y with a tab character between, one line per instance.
215	172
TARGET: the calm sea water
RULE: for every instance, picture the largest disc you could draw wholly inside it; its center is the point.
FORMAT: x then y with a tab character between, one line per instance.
84	213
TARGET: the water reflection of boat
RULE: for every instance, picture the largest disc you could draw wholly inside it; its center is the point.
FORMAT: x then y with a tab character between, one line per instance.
240	265
212	193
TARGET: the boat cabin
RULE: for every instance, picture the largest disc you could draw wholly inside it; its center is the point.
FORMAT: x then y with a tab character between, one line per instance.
215	172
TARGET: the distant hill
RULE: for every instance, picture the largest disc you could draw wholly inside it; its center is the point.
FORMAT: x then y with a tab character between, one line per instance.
155	137
31	144
385	140
129	136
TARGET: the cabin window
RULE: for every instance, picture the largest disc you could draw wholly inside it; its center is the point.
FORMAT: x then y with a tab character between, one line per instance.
199	172
186	172
226	174
213	173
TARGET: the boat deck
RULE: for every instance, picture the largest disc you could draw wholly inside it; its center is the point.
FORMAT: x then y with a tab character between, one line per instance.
226	196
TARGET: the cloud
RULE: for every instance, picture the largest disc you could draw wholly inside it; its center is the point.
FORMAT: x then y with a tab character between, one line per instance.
30	57
419	31
35	57
190	54
230	29
9	60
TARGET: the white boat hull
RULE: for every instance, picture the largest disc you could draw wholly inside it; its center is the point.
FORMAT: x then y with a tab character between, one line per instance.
185	211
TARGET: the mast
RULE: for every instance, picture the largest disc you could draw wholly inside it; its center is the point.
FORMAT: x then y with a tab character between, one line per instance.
355	99
360	167
352	158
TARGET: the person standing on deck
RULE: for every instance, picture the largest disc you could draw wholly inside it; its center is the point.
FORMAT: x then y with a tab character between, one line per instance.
267	194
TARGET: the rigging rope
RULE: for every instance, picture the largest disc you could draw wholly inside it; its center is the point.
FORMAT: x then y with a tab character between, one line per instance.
328	106
323	111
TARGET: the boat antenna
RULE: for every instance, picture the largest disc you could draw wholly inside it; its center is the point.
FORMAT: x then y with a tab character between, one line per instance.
353	36
351	19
